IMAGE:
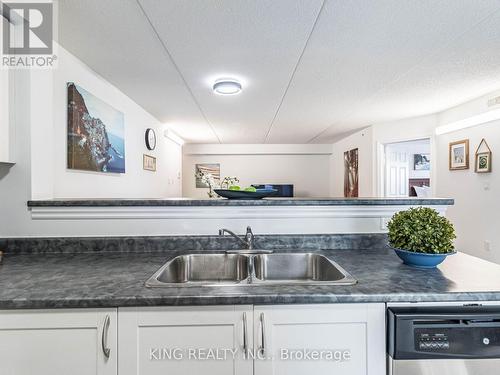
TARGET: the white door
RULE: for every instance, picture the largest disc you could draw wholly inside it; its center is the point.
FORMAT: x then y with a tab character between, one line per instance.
397	173
185	340
58	342
347	339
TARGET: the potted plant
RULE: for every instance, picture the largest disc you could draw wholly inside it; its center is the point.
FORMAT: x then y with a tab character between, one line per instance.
421	237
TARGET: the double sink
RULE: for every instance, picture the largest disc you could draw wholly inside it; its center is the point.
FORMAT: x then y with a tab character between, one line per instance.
244	268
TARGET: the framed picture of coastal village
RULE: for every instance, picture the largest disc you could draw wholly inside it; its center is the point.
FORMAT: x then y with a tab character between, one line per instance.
96	133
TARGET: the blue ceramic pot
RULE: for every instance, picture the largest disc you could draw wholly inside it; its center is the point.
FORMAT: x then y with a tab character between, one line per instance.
421	260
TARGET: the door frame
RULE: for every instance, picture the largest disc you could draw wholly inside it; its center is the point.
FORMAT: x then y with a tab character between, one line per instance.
380	162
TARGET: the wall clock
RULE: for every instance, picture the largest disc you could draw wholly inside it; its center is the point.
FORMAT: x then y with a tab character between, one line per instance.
150	139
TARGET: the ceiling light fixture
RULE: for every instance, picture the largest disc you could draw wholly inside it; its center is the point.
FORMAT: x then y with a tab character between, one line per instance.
227	87
468	122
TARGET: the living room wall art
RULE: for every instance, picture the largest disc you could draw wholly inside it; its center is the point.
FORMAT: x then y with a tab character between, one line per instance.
483	158
459	155
421	162
206	174
96	133
351	180
149	163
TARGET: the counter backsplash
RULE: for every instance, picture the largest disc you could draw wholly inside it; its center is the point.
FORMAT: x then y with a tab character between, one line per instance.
170	243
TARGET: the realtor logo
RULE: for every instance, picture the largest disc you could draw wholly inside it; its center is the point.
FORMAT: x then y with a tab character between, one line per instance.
27	34
28	30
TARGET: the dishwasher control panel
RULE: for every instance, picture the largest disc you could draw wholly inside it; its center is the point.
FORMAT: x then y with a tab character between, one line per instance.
443	332
429	340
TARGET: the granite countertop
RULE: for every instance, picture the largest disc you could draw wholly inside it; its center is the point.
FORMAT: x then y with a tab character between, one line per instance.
226	202
114	279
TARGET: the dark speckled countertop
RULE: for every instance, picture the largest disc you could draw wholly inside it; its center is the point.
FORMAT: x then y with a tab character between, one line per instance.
114	279
176	202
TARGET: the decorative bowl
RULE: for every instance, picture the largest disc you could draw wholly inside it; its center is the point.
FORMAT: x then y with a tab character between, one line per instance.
421	260
248	195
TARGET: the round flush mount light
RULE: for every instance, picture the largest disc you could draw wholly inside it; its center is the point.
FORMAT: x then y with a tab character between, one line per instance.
227	87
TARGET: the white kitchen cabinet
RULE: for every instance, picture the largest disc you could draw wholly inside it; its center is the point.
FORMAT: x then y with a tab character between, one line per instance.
58	342
177	340
352	334
349	337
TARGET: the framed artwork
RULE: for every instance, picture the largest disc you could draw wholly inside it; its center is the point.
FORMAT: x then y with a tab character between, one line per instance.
210	170
96	133
459	155
483	158
149	163
351	181
421	162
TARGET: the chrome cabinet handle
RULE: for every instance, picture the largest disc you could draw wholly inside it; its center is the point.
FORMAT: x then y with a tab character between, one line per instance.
245	335
263	334
104	337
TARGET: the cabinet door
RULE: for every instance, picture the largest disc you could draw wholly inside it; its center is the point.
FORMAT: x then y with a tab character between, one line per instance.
178	340
58	342
344	339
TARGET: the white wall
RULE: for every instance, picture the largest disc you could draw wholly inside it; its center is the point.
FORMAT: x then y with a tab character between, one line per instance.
407	129
307	167
476	213
39	106
363	141
399	131
136	182
15	182
4	103
4	117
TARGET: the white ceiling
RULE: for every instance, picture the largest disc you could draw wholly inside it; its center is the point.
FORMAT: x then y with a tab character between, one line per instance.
312	69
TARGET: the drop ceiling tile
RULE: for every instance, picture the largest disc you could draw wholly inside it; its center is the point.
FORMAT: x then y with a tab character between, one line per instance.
114	38
258	42
467	68
366	61
360	47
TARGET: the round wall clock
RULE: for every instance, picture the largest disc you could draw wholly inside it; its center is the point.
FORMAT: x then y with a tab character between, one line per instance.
150	139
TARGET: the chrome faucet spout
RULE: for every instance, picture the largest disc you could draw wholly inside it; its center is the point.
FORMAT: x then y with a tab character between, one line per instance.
247	242
249	238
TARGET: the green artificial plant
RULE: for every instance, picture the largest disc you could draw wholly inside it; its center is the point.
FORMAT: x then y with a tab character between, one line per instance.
421	230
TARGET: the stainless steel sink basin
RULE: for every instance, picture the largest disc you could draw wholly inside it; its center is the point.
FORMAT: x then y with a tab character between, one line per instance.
250	269
202	269
299	268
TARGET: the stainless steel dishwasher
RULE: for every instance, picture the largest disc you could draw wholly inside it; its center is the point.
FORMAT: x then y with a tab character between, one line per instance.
443	340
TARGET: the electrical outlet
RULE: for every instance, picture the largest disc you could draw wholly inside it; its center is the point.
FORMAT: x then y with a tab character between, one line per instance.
487	245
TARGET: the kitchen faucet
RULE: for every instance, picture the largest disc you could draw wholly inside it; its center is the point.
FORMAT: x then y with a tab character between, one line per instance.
248	240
